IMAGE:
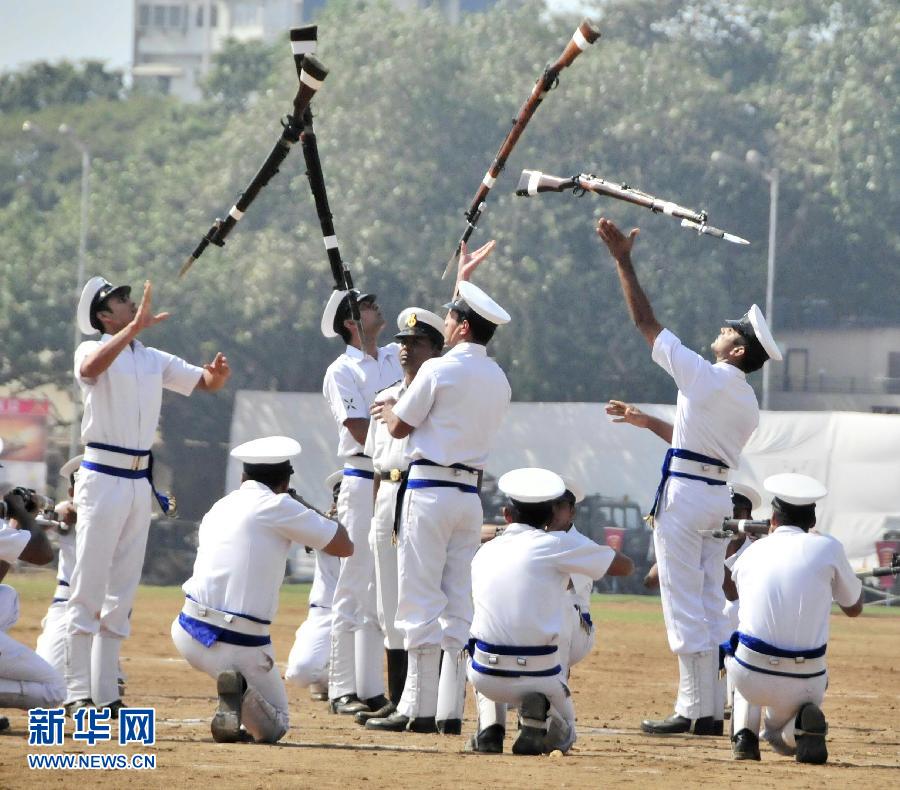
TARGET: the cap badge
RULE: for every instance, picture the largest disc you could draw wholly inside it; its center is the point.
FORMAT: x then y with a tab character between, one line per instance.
412	320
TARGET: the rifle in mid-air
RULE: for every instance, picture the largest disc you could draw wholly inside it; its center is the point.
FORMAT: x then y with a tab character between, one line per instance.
310	73
586	34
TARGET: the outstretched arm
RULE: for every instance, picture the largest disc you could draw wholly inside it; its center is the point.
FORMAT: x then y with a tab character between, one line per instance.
215	374
625	412
639	308
100	359
469	262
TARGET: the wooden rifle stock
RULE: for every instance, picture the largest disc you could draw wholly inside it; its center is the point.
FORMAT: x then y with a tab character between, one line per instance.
310	73
585	35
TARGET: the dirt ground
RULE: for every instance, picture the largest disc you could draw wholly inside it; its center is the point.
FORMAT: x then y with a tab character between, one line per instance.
629	675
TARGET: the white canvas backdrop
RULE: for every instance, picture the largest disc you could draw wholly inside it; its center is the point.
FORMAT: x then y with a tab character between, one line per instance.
856	456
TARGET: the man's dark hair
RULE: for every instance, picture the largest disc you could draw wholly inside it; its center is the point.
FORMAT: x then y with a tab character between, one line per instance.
803	516
343	332
271	475
482	329
754	355
534	514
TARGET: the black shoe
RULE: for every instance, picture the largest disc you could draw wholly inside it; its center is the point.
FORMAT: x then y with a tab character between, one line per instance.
395	722
226	723
4	723
450	727
811	729
422	724
114	707
319	696
531	740
487	741
347	705
679	725
718	727
745	745
76	705
379	708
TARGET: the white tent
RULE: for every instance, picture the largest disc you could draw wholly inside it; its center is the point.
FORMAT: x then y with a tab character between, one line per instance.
856	456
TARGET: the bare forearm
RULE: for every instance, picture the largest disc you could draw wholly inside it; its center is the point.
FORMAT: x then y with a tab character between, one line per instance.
660	427
636	300
98	361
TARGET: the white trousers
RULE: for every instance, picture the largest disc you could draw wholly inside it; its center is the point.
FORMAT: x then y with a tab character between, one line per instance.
354	594
308	660
386	573
26	680
440	532
510	691
691	567
113	524
781	697
51	642
256	664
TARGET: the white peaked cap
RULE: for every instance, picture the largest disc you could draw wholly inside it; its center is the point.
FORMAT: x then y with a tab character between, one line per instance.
742	489
482	304
90	290
268	450
795	489
66	470
763	333
411	316
330	312
333	479
575	487
532	485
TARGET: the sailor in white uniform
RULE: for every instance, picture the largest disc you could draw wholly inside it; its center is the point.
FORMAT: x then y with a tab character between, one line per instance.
786	583
519	586
26	680
421	337
232	596
715	415
578	636
121	383
356	679
451	412
308	660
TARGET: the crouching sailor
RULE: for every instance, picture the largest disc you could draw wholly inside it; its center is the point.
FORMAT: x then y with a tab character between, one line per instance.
232	596
519	583
776	660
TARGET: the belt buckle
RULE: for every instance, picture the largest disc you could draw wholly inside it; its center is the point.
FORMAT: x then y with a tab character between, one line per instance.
799	659
704	467
395	475
521	661
457	472
774	662
493	660
136	463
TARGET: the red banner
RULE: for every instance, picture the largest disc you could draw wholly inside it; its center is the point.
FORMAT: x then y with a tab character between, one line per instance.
23	428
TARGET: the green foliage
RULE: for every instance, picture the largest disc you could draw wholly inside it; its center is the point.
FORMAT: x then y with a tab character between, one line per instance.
43	85
408	120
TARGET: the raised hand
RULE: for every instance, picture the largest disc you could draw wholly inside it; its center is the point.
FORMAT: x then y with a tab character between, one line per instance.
216	373
144	316
618	244
625	412
469	262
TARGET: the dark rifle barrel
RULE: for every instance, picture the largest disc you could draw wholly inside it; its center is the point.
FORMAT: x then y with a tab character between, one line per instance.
586	34
311	73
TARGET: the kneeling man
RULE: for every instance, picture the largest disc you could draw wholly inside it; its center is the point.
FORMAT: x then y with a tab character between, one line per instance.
232	597
785	584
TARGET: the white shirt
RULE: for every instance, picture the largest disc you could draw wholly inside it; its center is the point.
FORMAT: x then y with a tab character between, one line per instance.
786	582
519	582
351	382
121	405
325	577
243	545
385	451
456	404
716	409
12	541
582	585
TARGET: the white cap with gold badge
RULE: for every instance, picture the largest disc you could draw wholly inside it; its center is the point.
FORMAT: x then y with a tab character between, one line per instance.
94	288
753	324
531	485
331	309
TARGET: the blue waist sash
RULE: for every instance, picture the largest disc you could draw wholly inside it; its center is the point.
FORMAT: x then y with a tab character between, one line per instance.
349	471
464	487
687	455
764	648
129	474
207	634
511	650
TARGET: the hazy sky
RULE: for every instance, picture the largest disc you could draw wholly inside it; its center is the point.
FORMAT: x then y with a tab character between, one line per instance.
57	30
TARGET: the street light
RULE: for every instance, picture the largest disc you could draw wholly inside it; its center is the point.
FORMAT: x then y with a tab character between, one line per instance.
759	164
66	132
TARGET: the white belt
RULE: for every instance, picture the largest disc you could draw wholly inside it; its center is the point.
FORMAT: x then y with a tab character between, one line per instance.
61	593
779	664
232	622
698	468
520	664
118	460
361	462
447	473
